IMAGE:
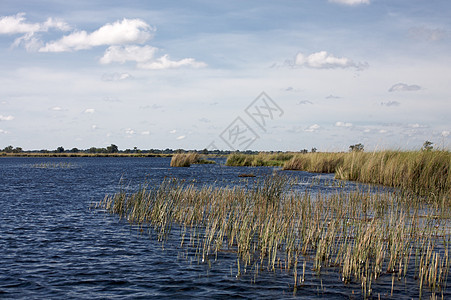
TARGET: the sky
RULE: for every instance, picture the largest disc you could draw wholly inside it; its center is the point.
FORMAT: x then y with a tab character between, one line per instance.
232	75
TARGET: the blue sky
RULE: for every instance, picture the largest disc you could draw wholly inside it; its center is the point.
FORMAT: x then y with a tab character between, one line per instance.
179	74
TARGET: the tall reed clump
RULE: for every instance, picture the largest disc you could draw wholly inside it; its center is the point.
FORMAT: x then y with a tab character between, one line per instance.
362	235
315	162
424	173
257	160
184	159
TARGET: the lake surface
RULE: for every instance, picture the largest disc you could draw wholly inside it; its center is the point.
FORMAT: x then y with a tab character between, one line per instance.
53	245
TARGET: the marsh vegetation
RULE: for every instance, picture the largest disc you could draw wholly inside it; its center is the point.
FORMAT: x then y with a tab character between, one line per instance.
362	235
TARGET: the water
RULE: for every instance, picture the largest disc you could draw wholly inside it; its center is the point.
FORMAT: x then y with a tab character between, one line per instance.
52	245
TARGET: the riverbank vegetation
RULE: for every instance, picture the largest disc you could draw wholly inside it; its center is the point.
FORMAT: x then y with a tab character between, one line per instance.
187	159
368	238
425	173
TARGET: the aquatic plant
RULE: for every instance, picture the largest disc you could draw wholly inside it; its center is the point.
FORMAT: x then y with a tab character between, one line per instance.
187	159
422	173
362	235
260	159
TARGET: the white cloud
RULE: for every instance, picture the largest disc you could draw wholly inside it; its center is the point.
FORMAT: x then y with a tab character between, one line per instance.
165	63
145	132
6	118
324	60
416	125
56	108
3	131
312	128
382	131
127	31
116	76
144	57
123	54
173	131
350	2
129	131
94	127
181	137
343	124
401	87
16	24
89	111
445	133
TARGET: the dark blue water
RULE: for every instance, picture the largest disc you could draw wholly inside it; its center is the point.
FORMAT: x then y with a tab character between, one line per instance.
52	245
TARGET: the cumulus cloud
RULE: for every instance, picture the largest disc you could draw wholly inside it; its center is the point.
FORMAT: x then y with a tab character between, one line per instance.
333	97
173	131
145	132
17	25
6	118
89	111
350	2
181	137
312	128
3	131
145	58
390	103
116	76
127	31
324	60
401	87
165	63
129	131
416	125
122	54
445	133
56	108
343	124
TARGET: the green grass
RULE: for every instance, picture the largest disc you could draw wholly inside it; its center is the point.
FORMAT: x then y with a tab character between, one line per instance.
258	160
361	235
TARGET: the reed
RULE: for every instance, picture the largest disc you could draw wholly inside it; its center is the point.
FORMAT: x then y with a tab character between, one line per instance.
422	173
362	234
187	159
258	160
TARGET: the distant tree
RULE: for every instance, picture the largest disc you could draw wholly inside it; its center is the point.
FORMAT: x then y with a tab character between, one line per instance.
8	149
112	149
427	146
314	150
356	148
17	150
92	150
74	150
60	149
304	151
205	151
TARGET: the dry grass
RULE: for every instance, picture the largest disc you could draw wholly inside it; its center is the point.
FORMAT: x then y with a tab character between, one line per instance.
184	159
363	235
261	159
